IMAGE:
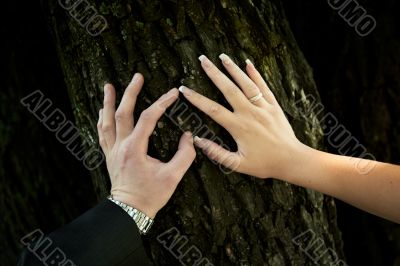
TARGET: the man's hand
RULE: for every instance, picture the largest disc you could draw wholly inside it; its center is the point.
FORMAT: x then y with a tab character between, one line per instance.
137	179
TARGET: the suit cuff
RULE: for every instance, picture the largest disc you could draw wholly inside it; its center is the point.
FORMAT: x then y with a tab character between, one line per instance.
104	235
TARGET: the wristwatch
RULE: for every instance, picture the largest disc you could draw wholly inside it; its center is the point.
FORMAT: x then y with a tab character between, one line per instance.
142	221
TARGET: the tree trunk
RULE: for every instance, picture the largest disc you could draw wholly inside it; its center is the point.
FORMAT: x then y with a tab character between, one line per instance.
230	218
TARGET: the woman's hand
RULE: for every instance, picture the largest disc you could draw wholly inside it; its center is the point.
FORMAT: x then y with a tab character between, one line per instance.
267	145
137	179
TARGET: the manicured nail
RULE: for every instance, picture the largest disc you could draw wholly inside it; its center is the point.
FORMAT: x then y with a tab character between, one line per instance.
185	90
197	140
205	61
225	59
249	62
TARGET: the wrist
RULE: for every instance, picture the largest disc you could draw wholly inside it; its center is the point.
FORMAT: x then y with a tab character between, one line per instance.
143	222
132	201
311	169
301	160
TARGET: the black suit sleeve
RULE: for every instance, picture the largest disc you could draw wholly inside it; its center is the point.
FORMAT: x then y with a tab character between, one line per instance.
104	235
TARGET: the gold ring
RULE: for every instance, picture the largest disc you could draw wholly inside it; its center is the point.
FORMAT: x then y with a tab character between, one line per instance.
256	98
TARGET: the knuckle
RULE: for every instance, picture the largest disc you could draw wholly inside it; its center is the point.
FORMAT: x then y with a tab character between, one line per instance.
256	112
213	70
213	154
216	151
107	101
125	152
207	146
243	127
273	98
253	90
160	104
120	115
208	150
232	90
214	108
146	115
106	127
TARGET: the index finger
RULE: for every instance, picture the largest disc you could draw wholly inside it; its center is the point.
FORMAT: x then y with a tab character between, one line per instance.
149	117
217	112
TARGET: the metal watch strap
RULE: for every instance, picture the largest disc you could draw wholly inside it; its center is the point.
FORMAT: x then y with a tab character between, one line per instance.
142	221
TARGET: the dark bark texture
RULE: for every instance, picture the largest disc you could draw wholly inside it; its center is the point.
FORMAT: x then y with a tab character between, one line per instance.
232	219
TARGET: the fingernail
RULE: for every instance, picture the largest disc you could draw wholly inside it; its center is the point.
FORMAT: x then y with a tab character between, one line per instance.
248	62
185	90
105	89
190	135
171	91
135	78
225	59
169	95
205	61
197	140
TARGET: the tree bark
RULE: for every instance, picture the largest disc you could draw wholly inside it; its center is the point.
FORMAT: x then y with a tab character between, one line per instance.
231	219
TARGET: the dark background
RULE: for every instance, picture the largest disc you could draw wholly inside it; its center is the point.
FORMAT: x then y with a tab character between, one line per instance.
358	80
